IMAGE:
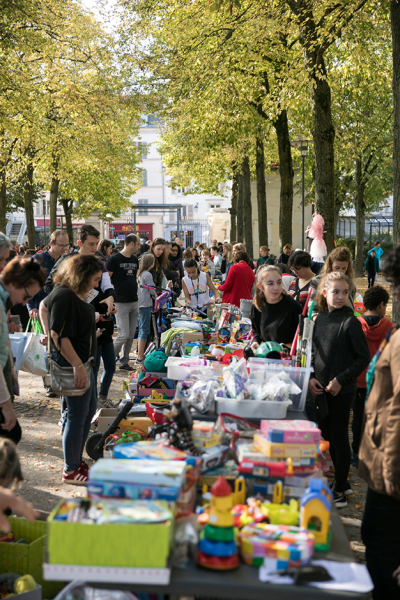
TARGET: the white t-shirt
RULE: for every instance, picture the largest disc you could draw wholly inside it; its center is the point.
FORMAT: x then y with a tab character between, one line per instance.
198	290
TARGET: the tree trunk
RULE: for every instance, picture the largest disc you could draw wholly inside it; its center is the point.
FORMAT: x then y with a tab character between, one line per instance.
28	204
67	206
3	200
53	204
324	137
247	209
261	195
395	20
239	211
360	219
286	174
234	202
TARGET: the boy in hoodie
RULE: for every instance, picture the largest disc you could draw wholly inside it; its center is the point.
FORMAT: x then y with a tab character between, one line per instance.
371	267
375	326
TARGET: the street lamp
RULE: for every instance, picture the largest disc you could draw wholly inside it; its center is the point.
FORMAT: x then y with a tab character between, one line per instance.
302	146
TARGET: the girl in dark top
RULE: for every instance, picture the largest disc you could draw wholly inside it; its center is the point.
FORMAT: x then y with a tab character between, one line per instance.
340	355
105	348
70	321
274	314
300	264
176	264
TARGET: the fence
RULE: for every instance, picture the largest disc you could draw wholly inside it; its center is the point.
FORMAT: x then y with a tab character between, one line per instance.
376	227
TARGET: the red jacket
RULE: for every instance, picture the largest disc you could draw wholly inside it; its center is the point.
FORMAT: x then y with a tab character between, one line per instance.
375	336
238	284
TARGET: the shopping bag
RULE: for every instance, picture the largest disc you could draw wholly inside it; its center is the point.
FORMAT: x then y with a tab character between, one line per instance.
36	327
18	343
34	358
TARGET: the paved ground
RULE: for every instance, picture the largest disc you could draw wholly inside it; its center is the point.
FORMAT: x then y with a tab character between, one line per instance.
42	457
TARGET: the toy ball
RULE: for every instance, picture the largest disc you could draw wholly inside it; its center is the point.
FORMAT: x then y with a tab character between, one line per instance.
269	350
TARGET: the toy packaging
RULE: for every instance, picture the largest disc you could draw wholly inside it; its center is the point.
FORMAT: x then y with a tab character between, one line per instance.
249	452
272	449
290	432
154	450
168	473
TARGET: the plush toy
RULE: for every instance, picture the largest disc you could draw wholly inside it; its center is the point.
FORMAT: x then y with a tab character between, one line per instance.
316	233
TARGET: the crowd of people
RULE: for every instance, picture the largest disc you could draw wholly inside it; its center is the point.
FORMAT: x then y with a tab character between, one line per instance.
79	294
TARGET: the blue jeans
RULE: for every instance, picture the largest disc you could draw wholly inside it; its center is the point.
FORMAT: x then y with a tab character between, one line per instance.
105	352
81	410
144	322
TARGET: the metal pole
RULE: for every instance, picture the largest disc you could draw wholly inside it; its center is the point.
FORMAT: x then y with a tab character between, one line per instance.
134	222
302	208
178	218
370	235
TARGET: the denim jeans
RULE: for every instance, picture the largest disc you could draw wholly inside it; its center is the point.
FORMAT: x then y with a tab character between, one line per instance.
81	410
107	354
126	317
144	322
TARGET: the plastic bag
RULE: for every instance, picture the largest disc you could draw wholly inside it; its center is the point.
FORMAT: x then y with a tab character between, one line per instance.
34	357
201	394
18	343
235	377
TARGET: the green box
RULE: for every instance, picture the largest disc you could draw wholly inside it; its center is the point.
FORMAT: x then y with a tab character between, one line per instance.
27	559
136	545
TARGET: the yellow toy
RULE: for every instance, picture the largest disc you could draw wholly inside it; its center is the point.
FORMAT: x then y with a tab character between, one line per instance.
315	512
282	514
278	495
158	396
221	504
239	495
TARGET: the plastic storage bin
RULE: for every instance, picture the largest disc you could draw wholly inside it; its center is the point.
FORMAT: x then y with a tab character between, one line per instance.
179	368
252	409
261	369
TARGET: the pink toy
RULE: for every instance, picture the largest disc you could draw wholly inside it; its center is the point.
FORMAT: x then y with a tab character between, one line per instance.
316	233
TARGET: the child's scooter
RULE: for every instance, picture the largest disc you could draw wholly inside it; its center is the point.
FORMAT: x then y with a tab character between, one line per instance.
95	442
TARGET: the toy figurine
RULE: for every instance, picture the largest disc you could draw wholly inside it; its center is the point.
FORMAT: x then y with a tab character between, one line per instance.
217	548
179	427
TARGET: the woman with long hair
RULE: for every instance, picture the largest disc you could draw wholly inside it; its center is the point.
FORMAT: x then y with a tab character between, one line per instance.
104	249
158	249
20	280
227	260
70	322
239	283
379	455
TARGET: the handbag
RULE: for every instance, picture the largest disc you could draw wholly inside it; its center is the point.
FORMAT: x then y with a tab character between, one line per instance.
62	379
321	401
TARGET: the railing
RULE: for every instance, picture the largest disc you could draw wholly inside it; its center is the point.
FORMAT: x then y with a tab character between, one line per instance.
22	230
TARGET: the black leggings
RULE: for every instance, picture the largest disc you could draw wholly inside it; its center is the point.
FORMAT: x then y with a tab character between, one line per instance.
358	418
371	279
335	429
380	533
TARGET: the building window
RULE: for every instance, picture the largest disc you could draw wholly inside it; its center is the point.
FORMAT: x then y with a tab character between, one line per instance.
190	210
143	149
171	217
143	211
144	178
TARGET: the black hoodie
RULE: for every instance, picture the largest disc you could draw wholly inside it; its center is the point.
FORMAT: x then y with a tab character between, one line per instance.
344	356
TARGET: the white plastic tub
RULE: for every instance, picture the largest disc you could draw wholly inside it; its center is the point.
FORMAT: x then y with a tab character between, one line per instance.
252	409
181	367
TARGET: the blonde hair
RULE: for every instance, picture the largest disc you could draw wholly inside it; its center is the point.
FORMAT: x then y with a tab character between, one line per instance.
340	254
10	467
206	252
146	263
262	273
239	248
287	247
187	254
264	248
229	253
326	282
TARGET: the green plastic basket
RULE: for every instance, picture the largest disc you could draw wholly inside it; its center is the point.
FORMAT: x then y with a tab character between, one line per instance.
27	559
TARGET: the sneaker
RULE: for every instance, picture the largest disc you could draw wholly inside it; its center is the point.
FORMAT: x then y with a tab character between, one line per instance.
348	490
78	477
340	500
104	403
139	361
84	467
126	367
49	392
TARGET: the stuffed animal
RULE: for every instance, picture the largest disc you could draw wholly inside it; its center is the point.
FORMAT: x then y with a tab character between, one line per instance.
316	233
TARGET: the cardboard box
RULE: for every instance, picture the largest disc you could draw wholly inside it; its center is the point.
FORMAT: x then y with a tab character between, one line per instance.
272	449
290	432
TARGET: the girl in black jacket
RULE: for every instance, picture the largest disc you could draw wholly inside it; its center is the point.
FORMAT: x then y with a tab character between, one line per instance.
340	355
175	263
